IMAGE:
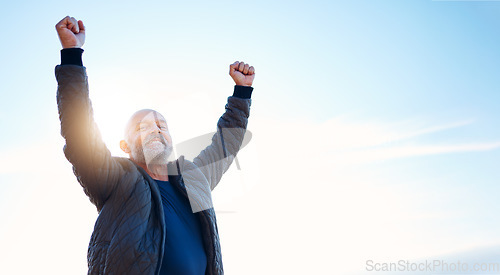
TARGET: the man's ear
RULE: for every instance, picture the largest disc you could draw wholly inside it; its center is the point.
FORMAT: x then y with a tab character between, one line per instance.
124	146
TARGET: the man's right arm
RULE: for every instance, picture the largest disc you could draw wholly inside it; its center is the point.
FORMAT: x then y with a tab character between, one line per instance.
93	165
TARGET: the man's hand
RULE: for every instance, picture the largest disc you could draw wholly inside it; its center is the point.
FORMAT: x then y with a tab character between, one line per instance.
242	74
71	32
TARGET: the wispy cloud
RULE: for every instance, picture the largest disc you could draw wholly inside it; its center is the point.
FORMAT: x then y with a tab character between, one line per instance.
377	154
358	141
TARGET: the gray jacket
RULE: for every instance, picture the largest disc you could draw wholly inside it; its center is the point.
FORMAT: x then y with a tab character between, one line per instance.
129	234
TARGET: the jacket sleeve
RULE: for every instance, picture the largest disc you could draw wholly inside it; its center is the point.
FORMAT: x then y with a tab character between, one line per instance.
216	158
93	165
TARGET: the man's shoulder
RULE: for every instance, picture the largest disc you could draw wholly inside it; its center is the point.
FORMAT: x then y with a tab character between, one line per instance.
180	166
127	166
126	162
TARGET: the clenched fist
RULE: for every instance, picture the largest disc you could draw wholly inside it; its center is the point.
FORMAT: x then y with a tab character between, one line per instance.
71	32
242	74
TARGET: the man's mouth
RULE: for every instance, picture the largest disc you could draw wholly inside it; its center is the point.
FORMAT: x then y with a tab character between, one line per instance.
156	139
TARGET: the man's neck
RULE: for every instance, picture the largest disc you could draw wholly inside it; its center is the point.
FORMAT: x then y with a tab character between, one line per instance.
157	172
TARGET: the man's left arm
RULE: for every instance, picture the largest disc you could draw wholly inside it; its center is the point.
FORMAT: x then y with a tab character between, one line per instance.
216	158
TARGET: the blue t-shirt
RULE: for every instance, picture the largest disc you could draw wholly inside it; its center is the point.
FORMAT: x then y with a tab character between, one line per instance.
184	252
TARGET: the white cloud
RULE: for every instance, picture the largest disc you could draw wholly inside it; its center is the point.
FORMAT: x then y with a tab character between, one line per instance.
359	142
378	154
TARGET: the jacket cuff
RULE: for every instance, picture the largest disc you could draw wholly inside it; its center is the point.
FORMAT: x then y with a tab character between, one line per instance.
71	56
242	91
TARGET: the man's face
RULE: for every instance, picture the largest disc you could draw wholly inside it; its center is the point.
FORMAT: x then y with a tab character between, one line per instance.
148	138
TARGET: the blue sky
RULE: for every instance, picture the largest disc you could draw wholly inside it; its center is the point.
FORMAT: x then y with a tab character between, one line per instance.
375	124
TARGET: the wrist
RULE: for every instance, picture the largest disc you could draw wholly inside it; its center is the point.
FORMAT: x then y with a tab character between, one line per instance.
242	91
242	83
71	56
64	47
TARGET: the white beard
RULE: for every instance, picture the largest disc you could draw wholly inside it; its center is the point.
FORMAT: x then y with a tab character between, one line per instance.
153	153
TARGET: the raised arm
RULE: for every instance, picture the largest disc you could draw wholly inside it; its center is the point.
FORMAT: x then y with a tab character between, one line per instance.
92	163
216	158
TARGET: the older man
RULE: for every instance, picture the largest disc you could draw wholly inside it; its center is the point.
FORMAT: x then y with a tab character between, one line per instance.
155	214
